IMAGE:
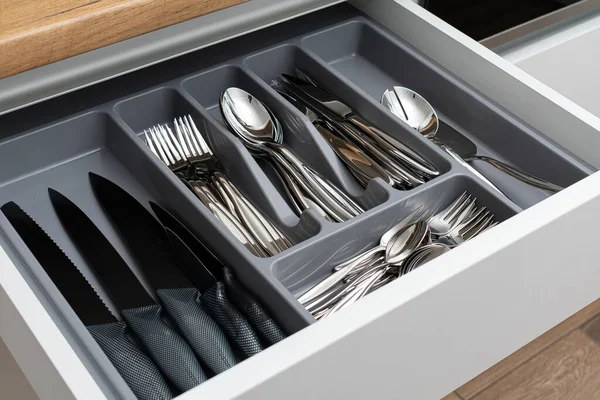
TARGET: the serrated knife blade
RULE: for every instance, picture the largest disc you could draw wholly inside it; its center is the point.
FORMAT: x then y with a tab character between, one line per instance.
135	367
141	312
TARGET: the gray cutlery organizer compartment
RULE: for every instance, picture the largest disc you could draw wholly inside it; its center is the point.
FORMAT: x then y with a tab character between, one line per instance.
357	60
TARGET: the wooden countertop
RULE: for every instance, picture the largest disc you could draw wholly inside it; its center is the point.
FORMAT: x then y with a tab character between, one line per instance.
38	32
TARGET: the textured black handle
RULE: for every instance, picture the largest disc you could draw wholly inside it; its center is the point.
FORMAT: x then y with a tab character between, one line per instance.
234	324
200	330
138	371
169	351
260	320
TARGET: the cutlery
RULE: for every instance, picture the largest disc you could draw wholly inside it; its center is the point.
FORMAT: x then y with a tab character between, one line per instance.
260	320
138	371
254	124
187	146
415	111
148	243
169	351
403	248
360	165
204	193
387	143
453	215
213	298
409	236
402	176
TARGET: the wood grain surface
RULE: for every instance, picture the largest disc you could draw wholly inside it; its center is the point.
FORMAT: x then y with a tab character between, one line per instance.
487	378
38	32
566	370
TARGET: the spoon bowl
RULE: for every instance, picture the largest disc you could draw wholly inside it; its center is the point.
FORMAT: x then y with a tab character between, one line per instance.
413	109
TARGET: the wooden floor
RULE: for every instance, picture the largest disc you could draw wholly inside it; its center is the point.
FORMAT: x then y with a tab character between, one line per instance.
563	363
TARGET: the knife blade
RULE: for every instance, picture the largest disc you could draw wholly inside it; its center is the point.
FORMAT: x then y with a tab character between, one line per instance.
138	371
214	299
268	330
391	145
147	240
169	351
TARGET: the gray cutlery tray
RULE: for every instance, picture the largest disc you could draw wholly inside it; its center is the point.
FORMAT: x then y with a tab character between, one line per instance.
98	129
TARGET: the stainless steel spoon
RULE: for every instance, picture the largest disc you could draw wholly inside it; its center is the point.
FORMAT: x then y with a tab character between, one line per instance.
415	111
252	122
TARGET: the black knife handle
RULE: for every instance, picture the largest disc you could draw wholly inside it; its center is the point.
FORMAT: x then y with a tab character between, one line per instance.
234	324
262	322
169	351
201	331
138	371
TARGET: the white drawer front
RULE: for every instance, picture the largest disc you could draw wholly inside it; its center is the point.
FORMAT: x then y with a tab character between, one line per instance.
477	304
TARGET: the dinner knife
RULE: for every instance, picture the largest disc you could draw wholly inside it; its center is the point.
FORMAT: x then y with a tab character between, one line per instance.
147	241
391	145
214	299
165	346
138	371
268	330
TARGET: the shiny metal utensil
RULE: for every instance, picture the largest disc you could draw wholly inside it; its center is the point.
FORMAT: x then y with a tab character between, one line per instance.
423	255
255	125
453	215
387	143
477	222
199	154
205	195
188	154
403	238
402	176
363	167
415	111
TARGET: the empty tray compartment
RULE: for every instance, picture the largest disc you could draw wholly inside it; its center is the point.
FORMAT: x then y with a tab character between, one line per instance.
373	61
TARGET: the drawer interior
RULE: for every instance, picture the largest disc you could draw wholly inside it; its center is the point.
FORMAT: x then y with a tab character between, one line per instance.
100	129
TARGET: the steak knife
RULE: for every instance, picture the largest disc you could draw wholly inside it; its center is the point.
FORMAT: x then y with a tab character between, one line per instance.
148	242
268	330
138	371
169	351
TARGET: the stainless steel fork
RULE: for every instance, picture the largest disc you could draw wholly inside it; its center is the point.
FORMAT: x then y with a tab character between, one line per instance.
188	154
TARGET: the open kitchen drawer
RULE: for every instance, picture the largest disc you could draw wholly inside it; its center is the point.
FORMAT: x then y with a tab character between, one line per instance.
421	336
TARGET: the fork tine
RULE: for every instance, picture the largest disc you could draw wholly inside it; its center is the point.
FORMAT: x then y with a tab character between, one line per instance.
191	145
163	145
172	150
175	143
150	144
466	209
188	128
480	226
159	147
203	144
181	139
459	200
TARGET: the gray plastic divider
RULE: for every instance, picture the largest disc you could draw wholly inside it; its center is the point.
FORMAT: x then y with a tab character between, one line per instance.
345	57
371	60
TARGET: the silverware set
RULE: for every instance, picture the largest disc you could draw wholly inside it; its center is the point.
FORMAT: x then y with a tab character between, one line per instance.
187	154
409	244
261	132
368	151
